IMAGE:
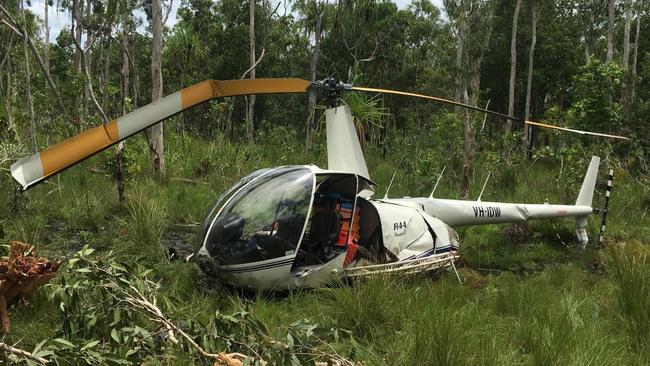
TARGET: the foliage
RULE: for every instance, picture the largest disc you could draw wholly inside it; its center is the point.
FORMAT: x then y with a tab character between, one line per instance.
593	108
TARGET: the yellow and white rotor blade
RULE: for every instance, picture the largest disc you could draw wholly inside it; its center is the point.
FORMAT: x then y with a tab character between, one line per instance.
33	169
468	106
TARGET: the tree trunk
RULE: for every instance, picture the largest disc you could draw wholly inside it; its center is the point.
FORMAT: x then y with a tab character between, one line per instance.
626	34
250	114
88	57
528	130
46	45
460	36
106	72
28	79
610	31
589	34
513	66
155	133
124	93
311	103
636	48
78	12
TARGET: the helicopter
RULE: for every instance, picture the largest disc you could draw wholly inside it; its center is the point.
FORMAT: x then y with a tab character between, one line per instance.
303	226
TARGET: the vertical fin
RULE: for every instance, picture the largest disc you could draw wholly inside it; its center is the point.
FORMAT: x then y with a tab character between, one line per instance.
343	148
585	198
586	195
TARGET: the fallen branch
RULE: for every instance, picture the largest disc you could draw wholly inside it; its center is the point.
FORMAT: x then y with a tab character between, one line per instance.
20	275
22	353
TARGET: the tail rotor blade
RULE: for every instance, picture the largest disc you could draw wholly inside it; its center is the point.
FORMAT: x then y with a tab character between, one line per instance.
33	169
479	109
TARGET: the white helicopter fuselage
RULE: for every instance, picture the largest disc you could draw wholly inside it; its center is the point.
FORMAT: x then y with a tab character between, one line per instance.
271	229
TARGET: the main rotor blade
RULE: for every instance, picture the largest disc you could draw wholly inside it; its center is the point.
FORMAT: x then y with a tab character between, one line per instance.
479	109
33	169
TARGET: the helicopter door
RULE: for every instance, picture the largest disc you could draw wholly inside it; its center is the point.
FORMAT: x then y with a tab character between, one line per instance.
333	227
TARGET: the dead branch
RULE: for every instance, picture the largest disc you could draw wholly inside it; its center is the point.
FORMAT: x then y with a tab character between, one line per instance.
20	275
254	65
136	299
8	51
22	353
84	61
169	10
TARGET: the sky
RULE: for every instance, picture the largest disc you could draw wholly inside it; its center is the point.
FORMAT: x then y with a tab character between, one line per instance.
59	20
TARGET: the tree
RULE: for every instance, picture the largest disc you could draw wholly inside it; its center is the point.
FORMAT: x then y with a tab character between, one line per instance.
610	30
250	113
529	82
319	12
477	20
155	133
46	29
28	77
513	66
636	46
626	34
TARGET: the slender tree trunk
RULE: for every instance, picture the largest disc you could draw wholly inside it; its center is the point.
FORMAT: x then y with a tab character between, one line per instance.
460	39
610	31
46	45
77	10
88	58
311	103
28	79
589	35
250	115
636	48
106	72
513	66
528	130
124	92
10	98
626	34
625	96
155	133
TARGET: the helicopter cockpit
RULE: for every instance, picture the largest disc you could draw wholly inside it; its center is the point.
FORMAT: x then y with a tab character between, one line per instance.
282	223
264	219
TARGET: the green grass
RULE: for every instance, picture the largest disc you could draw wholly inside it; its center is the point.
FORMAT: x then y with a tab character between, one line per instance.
538	302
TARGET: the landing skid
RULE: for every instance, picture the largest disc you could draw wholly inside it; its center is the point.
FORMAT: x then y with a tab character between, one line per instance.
433	262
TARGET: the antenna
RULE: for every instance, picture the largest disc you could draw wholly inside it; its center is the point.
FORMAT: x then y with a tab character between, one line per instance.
484	184
389	185
437	181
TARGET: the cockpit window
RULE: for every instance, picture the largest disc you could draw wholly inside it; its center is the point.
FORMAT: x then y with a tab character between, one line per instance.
264	220
223	198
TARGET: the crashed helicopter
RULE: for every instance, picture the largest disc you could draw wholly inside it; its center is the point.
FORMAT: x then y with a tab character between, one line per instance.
303	226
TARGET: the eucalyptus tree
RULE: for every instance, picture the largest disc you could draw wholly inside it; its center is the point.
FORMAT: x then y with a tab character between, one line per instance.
513	66
476	17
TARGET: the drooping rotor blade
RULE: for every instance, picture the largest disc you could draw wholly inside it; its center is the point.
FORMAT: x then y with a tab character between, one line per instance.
33	169
479	109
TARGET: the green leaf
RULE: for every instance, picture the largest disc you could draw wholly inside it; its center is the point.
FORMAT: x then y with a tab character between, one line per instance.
89	345
39	346
64	342
115	335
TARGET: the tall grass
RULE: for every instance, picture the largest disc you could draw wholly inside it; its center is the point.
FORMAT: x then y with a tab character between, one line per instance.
145	224
629	266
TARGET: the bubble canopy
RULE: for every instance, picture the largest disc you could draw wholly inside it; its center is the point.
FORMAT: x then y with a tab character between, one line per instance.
262	218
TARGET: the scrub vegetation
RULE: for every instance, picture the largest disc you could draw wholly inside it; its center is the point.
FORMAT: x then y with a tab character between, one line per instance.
532	300
527	297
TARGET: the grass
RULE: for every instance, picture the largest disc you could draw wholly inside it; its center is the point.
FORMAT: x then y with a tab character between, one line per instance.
539	302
